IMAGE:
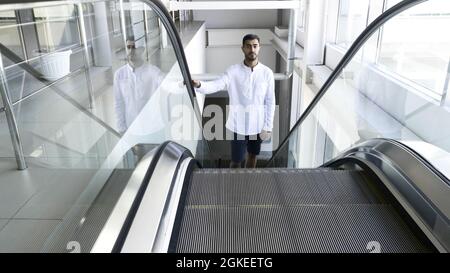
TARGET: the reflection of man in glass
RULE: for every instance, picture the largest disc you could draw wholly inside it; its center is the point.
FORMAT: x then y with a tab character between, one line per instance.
134	84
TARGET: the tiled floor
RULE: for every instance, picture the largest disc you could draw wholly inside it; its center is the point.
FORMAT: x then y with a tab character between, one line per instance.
17	187
63	152
39	192
54	200
3	223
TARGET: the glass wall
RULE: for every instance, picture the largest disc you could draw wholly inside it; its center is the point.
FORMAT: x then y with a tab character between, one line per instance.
9	34
48	40
413	47
86	118
393	88
410	47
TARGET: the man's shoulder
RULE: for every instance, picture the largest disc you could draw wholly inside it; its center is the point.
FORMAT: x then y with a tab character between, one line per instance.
151	67
265	68
122	68
234	67
121	71
268	73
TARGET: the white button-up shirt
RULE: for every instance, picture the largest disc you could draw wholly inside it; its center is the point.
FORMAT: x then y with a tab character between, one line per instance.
132	90
252	97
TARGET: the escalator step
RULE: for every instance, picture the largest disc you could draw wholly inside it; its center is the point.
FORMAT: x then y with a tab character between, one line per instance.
303	229
278	186
290	210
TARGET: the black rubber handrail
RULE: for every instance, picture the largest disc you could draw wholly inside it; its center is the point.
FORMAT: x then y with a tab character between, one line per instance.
159	8
354	48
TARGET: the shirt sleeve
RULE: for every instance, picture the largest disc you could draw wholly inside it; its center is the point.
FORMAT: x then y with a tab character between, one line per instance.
119	106
210	87
269	104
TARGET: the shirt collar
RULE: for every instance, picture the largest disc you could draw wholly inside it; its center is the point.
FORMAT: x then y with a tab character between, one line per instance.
254	68
135	70
129	67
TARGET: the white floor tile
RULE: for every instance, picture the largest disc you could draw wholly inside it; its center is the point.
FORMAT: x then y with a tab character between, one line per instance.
56	199
17	187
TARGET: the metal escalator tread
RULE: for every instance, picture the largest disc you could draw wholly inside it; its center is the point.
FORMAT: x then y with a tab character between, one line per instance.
289	210
276	186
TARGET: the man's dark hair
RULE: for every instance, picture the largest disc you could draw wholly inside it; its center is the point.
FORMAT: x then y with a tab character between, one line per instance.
250	37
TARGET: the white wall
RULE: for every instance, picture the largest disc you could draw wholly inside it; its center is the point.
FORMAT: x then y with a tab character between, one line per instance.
237	18
225	49
220	58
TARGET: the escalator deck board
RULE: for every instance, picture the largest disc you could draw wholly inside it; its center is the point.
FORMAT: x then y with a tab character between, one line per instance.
289	211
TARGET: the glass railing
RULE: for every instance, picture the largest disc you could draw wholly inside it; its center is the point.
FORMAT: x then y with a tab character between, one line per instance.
93	86
366	100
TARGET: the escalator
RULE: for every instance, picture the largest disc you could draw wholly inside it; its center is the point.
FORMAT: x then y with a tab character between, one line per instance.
377	195
342	207
372	194
365	199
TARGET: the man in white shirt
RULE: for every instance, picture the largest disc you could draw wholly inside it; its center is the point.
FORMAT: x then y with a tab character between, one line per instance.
134	84
250	87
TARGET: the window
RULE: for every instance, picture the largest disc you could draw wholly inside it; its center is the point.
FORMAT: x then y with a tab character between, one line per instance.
137	22
115	16
301	16
413	45
9	35
153	31
353	17
352	20
416	44
57	27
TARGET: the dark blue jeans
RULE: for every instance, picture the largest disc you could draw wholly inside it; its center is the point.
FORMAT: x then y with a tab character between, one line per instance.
241	143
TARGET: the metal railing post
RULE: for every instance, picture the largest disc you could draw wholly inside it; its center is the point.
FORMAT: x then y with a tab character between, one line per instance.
444	98
11	120
291	42
86	54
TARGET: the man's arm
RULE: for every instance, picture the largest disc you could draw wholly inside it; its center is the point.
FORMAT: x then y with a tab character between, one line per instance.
210	87
119	106
269	105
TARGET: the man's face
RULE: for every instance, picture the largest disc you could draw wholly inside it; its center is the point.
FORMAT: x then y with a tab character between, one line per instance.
131	47
134	55
251	49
